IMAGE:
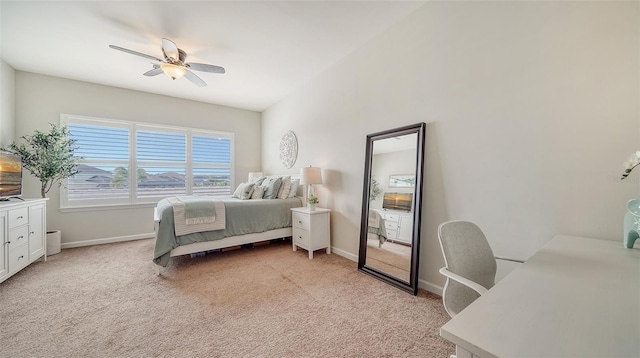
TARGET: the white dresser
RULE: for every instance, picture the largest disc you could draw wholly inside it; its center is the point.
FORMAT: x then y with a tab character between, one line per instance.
22	234
399	225
311	230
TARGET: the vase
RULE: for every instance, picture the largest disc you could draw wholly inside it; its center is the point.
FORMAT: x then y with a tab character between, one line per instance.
631	223
312	207
53	242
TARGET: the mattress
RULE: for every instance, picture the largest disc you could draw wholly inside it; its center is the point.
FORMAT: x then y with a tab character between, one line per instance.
241	217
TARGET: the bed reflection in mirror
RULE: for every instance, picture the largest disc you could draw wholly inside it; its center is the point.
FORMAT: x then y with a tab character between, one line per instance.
390	225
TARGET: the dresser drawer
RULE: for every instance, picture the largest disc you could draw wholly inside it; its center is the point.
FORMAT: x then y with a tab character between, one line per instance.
301	237
18	237
392	217
301	221
18	257
390	225
18	217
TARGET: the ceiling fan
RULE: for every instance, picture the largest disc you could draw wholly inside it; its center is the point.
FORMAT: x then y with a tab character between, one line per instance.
174	64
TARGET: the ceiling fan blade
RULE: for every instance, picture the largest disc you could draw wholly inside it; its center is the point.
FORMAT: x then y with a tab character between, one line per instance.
153	72
170	50
135	53
206	68
195	79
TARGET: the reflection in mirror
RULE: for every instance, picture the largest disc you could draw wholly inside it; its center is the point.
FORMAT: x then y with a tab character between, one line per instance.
390	228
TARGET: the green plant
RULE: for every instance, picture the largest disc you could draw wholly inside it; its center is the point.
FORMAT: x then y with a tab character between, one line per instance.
48	156
375	190
313	199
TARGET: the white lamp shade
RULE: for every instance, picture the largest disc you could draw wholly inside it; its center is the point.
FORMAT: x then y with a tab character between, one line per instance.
253	176
310	175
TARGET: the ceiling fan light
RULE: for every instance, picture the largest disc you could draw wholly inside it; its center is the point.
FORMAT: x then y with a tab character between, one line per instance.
173	71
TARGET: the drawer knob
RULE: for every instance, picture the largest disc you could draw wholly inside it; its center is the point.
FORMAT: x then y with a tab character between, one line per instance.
20	237
7	243
21	257
20	217
32	232
299	222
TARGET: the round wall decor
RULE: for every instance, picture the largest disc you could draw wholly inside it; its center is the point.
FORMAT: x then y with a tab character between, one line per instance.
288	149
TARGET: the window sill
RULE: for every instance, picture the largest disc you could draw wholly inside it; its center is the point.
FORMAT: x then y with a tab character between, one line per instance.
86	208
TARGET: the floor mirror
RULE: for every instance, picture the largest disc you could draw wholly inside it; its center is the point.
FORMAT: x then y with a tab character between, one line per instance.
391	206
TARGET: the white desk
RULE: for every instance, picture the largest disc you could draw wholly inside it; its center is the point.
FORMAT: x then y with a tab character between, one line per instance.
576	297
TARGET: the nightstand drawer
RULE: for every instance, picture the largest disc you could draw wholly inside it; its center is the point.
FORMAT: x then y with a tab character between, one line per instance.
18	237
301	221
391	234
18	217
18	257
301	237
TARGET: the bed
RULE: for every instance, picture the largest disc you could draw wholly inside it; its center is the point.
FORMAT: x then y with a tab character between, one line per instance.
246	221
376	228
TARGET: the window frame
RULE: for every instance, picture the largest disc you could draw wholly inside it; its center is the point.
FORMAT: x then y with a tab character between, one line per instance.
133	200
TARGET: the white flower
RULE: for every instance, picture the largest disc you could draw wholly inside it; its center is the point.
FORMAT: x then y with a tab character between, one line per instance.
630	164
627	165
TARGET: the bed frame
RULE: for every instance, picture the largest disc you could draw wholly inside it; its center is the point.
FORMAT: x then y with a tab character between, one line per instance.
222	243
227	241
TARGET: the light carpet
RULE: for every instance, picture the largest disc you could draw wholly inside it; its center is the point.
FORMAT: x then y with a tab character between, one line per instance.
268	301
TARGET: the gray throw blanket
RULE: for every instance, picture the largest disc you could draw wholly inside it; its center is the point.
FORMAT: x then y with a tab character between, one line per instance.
197	214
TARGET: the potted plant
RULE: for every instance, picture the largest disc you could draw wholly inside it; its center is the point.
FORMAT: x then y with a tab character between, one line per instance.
50	158
375	190
312	200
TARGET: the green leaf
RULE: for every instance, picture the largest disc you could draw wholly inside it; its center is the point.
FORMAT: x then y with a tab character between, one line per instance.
48	156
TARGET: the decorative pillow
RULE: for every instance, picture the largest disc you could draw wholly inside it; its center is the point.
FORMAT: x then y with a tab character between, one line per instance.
293	191
283	192
239	189
248	196
258	192
271	185
259	181
243	191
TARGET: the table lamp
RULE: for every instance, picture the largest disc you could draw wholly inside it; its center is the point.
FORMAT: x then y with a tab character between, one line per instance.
253	176
309	176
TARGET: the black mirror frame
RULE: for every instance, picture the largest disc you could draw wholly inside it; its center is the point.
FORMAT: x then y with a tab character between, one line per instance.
412	285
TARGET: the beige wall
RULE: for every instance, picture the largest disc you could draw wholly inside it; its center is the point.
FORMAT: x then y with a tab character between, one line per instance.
531	108
7	104
41	99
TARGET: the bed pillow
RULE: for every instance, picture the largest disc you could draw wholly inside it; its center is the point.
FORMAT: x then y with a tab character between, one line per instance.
258	192
283	192
271	186
259	181
293	191
243	191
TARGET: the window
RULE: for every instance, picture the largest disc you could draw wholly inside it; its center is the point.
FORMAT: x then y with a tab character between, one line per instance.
137	163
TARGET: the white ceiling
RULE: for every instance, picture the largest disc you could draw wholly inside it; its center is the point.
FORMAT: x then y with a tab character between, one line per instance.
268	48
395	144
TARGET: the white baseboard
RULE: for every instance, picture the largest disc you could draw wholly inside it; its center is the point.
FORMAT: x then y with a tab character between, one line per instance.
428	286
344	254
108	240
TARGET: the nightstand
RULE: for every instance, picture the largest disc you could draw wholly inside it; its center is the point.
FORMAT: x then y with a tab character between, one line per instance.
311	230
